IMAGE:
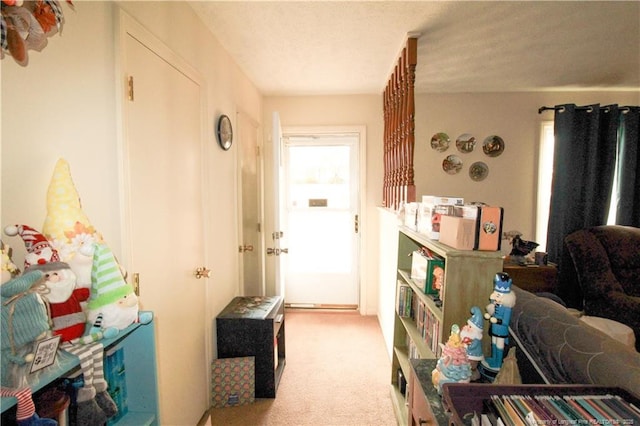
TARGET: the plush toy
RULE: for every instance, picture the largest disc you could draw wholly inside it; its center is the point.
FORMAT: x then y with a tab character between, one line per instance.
67	227
498	312
12	374
94	404
64	299
453	365
8	268
39	251
112	299
471	335
26	410
24	321
58	288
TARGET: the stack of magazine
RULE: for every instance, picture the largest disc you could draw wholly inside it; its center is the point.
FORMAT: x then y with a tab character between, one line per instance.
536	410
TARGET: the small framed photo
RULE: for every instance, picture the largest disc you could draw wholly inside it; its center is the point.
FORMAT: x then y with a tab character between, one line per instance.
45	355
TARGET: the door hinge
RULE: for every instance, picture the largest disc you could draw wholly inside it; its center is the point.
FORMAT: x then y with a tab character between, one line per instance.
136	283
130	88
257	151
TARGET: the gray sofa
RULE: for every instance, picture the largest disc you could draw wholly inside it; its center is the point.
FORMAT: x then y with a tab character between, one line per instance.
553	346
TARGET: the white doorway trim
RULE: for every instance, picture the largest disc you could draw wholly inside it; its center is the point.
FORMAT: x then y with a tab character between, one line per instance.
361	131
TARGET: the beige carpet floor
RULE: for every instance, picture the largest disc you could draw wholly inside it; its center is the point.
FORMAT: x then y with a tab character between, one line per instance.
337	373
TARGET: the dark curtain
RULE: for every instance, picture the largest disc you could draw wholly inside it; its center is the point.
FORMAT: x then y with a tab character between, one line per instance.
583	172
628	172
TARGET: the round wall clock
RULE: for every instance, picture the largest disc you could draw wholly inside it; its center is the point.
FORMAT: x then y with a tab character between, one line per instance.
225	132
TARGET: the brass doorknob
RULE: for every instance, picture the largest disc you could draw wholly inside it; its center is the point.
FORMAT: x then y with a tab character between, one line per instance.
276	251
202	272
244	248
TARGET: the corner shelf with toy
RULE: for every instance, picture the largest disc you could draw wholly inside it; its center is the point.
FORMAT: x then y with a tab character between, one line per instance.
467	281
75	345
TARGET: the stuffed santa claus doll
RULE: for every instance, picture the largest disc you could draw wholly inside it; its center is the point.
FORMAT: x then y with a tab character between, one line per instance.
69	320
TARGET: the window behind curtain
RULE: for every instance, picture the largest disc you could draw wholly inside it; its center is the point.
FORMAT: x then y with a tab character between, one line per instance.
545	175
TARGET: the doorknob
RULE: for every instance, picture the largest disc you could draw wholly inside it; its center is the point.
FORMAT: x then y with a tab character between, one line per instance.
202	272
244	248
276	251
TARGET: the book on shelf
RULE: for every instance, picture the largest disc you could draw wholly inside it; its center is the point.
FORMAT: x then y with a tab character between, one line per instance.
532	410
414	353
404	303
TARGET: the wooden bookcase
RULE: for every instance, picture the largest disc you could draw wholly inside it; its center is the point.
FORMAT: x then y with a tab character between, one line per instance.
138	344
468	281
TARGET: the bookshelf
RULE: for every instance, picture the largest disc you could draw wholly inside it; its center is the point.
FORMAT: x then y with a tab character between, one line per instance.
468	281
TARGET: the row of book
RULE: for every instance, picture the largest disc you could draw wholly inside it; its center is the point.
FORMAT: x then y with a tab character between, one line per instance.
536	410
404	303
414	352
427	324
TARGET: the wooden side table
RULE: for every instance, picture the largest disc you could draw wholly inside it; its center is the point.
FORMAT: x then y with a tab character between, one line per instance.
533	278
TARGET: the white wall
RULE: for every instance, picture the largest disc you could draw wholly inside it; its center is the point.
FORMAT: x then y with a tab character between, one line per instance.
63	104
514	117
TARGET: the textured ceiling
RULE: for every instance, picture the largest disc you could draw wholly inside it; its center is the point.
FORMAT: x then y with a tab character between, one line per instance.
350	47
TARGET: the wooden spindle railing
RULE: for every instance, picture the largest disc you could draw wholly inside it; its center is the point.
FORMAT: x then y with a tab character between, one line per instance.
399	130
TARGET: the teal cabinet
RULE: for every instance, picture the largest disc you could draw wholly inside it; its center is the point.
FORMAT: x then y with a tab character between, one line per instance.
138	348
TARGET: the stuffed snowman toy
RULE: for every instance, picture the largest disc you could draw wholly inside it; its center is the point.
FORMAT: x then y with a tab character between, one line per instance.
113	303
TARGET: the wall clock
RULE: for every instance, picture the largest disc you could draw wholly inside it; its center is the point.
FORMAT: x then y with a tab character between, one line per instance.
225	132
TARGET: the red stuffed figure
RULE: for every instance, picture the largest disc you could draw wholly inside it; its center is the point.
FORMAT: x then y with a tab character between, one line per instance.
69	319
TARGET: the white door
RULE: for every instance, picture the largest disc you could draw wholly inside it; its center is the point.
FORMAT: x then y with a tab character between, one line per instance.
322	219
278	246
251	248
163	152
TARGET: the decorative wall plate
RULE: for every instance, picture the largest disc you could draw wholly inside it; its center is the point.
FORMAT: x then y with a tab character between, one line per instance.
440	142
452	164
493	145
465	143
478	171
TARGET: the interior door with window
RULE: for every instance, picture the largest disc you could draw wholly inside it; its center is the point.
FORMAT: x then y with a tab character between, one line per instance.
321	192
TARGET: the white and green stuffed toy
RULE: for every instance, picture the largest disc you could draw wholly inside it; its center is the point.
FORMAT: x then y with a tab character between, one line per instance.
113	302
